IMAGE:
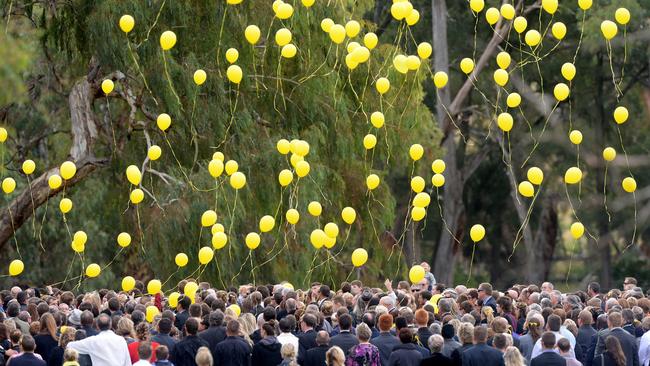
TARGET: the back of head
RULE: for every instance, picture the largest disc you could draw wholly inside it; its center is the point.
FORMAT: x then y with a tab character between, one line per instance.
288	350
27	343
405	335
335	356
232	329
162	353
435	343
216	318
165	326
585	317
345	322
564	345
615	319
548	340
363	332
192	326
322	338
480	334
500	341
144	350
104	322
466	333
203	357
385	322
421	317
554	323
285	325
268	329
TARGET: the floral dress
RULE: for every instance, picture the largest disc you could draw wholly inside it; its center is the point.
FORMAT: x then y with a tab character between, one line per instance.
364	354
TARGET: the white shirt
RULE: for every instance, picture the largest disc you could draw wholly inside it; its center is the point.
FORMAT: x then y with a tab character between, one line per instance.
142	363
537	349
644	350
104	349
568	335
284	338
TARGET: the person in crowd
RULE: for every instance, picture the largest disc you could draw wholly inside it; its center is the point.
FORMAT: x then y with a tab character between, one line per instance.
307	337
57	355
203	357
288	352
548	356
182	312
466	336
234	350
87	320
613	354
335	357
162	336
70	357
106	348
145	352
364	353
26	357
481	354
344	340
385	341
286	332
406	353
564	347
162	356
267	352
512	357
485	296
142	334
46	339
627	342
553	324
184	352
316	356
450	344
437	358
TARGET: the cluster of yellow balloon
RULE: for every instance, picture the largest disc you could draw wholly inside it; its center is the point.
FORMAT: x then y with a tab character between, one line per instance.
438	167
535	177
79	240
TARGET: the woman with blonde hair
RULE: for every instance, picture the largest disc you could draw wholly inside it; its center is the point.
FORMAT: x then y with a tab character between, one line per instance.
248	325
203	357
46	340
335	357
512	357
535	326
288	352
487	315
125	329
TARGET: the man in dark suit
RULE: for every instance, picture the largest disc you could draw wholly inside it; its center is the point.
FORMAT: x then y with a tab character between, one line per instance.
316	356
345	340
86	319
485	296
232	351
181	312
163	337
184	351
482	354
307	339
585	332
28	358
423	333
385	341
628	341
548	357
437	358
216	332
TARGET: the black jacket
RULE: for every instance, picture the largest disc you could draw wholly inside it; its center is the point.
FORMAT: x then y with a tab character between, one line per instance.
181	318
232	351
423	335
604	359
628	344
437	359
457	354
306	341
44	345
267	352
585	333
345	340
315	356
166	340
213	335
548	359
184	351
405	354
386	342
482	355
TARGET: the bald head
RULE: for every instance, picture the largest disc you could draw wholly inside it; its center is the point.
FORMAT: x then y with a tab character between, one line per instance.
322	338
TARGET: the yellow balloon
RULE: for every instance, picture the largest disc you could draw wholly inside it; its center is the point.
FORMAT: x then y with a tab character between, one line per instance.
300	147
418	213
123	240
492	16
8	185
513	100
231	167
208	218
477	5
532	38
172	300
205	255
107	86
576	137
348	214
425	50
54	181
331	230
370	40
421	199
288	51
568	71
128	283
167	40
238	180
369	141
477	233
314	208
150	313
438	180
401	10
352	28
153	287
293	216
65	205
234	74
80	237
440	79
232	55
235	308
133	175
585	4
353	46
252	240
503	60
267	222
136	196
550	6
359	257
438	166
317	238
501	77
308	3
520	24
507	11
558	30
68	169
29	166
372	181
382	85
622	16
126	23
93	270
573	175
361	54
233	2
535	175
609	154
609	29
417	184
416	274
283	146
399	62
285	11
561	92
526	189
215	168
337	33
285	177
3	134
302	169
252	34
377	119
413	17
621	115
16	267
190	290
505	121
577	230
181	259
217	228
219	240
416	151
163	121
154	152
295	159
326	25
629	185
78	248
413	62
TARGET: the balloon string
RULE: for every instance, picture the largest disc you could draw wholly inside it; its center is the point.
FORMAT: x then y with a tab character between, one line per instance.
619	93
170	276
347	279
451	119
311	269
540	135
223	20
279	87
624	58
268	35
530	127
169	80
110	120
232	220
575	214
252	266
519	236
232	118
114	257
471	263
609	217
40	230
137	67
570	261
635	224
223	285
180	166
582	31
31	195
257	86
137	214
442	217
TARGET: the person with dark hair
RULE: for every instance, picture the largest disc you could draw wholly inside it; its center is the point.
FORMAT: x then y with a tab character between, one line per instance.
106	348
449	343
286	332
162	337
215	332
423	332
485	296
162	356
613	355
385	341
267	351
553	324
307	339
406	353
234	350
585	333
46	339
142	334
182	311
548	356
481	354
27	356
316	356
564	347
145	352
13	309
593	289
86	319
345	340
185	350
627	342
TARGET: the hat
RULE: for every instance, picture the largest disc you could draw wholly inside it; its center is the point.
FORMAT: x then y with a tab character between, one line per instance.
447	331
75	317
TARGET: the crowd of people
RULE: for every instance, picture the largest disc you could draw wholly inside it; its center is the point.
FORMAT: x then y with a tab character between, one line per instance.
422	324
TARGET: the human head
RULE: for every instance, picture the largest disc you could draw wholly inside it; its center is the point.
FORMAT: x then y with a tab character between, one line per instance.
593	289
614	320
232	329
192	326
345	321
466	333
104	322
322	338
629	283
144	350
162	353
385	322
70	355
288	350
335	356
268	330
363	332
27	344
164	326
480	334
308	322
405	335
564	346
500	342
512	356
547	287
203	357
548	340
484	290
553	323
435	343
